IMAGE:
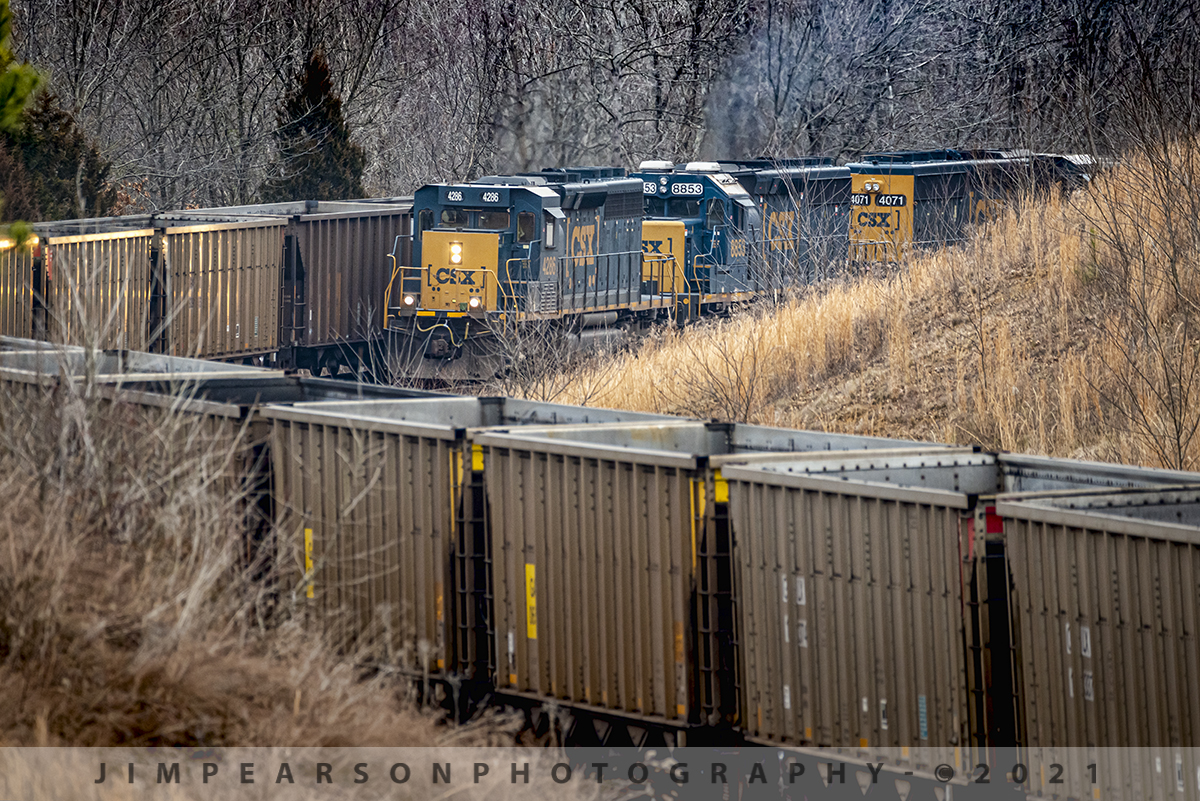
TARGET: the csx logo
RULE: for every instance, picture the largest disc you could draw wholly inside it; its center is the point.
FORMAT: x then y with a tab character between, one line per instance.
448	275
779	229
983	209
652	246
875	219
583	240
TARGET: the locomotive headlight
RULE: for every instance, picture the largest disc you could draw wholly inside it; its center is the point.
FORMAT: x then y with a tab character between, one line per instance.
456	253
409	300
474	302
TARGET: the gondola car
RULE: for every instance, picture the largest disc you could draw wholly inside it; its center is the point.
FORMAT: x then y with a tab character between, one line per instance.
294	285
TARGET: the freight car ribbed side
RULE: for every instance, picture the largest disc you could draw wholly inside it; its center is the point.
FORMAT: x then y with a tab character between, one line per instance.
365	522
592	562
1106	596
347	269
16	292
223	287
850	602
96	288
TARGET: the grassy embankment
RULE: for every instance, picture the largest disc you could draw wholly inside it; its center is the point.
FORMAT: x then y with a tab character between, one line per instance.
1064	327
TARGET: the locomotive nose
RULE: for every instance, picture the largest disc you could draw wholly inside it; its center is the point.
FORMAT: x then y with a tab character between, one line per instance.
459	271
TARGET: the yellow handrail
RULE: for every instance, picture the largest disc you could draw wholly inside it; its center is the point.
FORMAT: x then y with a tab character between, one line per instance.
676	270
508	273
387	292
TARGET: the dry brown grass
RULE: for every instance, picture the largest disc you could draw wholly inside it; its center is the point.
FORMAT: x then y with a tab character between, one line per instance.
1032	336
128	616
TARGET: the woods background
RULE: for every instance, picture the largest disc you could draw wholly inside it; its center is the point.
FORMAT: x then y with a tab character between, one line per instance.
182	102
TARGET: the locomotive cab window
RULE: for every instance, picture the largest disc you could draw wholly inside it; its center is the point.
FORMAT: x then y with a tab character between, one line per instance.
424	221
745	215
683	207
458	218
493	220
715	215
526	227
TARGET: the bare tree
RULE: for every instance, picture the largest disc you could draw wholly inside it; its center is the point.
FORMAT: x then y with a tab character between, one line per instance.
543	361
180	94
1145	234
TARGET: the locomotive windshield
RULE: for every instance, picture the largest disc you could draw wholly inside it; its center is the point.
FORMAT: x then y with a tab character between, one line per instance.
672	207
457	217
487	219
683	207
494	219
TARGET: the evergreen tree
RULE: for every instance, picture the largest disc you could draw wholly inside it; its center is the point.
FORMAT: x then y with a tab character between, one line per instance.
65	174
16	190
17	81
317	159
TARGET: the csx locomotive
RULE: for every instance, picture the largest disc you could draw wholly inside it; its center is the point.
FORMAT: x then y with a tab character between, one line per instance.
752	226
493	258
921	199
